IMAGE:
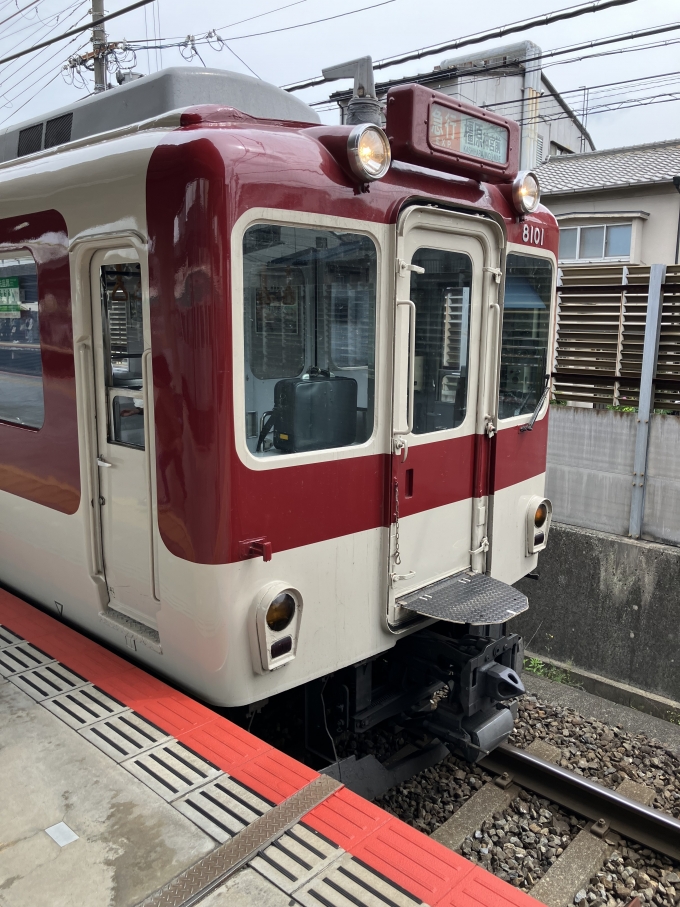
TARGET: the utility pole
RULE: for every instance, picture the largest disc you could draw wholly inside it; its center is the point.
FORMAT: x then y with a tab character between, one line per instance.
98	46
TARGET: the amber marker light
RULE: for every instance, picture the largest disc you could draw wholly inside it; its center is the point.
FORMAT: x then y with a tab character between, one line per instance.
280	612
526	192
368	152
541	515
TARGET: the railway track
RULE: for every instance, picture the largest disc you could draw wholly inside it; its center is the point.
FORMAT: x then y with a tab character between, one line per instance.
615	822
608	809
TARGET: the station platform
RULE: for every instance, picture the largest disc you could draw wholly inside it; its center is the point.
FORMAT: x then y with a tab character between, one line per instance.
117	790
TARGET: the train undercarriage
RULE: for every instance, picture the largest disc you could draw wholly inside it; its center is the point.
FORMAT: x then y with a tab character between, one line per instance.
452	684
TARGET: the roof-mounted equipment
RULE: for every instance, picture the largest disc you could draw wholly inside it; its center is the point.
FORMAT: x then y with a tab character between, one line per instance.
364	106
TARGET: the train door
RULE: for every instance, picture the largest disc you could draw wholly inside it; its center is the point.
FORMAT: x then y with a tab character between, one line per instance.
445	361
123	394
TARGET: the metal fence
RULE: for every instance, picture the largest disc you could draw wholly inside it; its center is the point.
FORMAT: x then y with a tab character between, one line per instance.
591	477
601	323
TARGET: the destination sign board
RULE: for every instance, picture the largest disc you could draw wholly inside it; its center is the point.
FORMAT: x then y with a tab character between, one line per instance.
435	131
453	130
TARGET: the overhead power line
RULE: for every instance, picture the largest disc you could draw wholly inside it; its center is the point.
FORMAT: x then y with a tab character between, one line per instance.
73	31
570	12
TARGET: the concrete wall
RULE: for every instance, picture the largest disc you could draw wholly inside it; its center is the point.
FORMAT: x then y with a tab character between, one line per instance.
590	471
608	605
658	234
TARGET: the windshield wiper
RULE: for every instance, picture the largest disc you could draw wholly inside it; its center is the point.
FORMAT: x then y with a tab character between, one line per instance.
529	426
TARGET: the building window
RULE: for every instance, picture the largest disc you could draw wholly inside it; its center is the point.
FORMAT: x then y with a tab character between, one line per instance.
556	150
21	383
309	343
539	150
599	242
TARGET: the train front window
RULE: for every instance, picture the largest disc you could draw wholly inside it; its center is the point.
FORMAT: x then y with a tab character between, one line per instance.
526	334
309	338
442	299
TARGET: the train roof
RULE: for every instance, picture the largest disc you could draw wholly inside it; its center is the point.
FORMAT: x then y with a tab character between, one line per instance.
176	88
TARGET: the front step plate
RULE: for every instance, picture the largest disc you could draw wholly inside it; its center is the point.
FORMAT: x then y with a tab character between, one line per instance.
467	598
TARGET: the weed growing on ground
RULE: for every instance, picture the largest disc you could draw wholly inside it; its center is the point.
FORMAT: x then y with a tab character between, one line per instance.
550	672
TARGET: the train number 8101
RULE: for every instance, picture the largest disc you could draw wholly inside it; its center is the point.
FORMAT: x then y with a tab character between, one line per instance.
533	234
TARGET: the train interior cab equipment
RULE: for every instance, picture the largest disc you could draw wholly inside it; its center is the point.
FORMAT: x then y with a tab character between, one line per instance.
273	394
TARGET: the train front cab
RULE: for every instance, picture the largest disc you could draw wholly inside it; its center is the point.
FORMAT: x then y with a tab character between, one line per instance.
407	321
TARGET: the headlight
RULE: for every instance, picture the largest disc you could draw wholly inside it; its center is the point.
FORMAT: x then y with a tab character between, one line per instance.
526	192
368	151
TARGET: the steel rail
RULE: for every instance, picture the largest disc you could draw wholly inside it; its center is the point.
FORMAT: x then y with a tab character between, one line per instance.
650	827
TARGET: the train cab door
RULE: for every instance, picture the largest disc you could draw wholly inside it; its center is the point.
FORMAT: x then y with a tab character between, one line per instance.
445	363
123	395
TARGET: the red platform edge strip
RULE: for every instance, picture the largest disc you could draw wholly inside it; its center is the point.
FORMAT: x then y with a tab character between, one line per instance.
421	866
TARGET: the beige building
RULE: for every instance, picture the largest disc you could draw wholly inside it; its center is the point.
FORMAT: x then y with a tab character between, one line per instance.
616	206
510	81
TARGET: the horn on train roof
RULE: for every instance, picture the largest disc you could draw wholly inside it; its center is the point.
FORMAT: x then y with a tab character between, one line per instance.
364	106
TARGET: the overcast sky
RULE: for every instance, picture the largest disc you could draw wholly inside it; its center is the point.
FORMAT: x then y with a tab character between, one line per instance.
393	28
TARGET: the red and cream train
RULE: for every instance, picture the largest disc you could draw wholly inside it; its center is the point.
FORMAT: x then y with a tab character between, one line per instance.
272	393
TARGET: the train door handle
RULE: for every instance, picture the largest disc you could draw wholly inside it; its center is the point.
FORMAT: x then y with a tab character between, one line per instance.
101	462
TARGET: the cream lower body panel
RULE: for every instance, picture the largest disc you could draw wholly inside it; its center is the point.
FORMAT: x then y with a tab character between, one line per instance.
206	616
509	560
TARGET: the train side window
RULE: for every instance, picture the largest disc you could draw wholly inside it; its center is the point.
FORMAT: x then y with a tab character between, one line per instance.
123	326
309	338
442	299
21	382
526	332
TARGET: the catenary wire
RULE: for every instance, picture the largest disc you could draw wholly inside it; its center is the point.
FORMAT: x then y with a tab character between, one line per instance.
48	22
9	71
570	12
73	31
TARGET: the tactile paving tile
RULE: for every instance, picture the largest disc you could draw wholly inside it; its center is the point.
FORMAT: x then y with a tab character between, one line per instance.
84	706
171	770
295	858
7	638
124	735
21	657
349	883
48	680
222	808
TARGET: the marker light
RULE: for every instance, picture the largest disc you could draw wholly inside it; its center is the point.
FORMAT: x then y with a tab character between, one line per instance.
541	515
368	151
280	612
526	192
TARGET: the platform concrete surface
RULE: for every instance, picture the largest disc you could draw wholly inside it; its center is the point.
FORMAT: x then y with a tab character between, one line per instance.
129	842
611	713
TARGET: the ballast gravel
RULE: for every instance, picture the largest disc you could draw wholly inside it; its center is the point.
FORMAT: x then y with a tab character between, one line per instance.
633	872
505	845
606	754
520	844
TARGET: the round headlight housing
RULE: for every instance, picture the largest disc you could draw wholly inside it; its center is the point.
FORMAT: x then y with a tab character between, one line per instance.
368	152
526	192
280	612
